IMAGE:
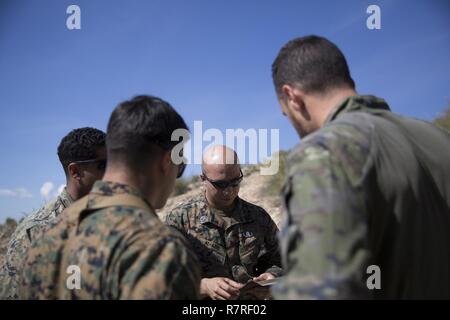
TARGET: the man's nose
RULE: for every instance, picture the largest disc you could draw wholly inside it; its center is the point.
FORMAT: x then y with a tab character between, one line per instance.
228	190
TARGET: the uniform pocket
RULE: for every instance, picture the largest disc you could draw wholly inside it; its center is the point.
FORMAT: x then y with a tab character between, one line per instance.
249	250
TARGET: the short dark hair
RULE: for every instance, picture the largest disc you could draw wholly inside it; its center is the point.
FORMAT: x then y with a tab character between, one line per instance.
139	126
80	144
313	63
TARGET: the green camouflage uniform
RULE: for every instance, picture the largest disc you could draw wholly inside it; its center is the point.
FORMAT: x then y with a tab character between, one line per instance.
369	188
23	236
122	249
238	245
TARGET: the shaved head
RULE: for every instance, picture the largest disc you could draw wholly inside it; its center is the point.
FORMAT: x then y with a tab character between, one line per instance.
221	163
219	156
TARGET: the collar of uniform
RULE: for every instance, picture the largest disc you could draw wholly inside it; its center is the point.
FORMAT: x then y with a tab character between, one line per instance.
209	214
65	198
108	188
101	190
357	103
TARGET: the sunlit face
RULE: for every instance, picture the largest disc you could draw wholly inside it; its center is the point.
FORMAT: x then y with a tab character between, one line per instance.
216	175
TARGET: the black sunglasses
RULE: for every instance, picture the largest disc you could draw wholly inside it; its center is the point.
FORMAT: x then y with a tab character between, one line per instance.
223	184
101	163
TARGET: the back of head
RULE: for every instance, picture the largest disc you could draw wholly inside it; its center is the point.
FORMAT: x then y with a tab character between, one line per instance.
139	128
79	145
313	64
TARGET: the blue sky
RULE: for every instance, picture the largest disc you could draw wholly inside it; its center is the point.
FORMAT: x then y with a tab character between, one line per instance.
210	59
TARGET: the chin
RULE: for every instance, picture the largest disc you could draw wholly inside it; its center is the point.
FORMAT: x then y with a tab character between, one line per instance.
227	203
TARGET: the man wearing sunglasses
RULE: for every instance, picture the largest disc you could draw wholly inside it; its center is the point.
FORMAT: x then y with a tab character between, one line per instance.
235	241
82	155
113	235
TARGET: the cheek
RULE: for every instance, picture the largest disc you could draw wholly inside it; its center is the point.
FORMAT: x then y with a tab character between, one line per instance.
213	193
93	175
235	192
211	190
97	174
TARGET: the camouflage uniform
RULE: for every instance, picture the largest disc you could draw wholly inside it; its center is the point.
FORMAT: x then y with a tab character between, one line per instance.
122	249
238	246
23	236
369	188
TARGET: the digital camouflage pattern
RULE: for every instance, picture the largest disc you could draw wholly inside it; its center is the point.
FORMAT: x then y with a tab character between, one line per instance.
121	247
238	245
369	188
23	237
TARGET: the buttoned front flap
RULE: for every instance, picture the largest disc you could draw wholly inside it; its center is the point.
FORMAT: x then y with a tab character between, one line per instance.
250	244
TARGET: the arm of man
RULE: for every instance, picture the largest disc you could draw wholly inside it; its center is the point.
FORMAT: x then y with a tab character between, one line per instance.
175	219
269	264
324	232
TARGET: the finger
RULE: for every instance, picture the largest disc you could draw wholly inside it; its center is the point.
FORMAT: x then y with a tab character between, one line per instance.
228	288
264	276
222	294
217	297
232	283
224	286
269	276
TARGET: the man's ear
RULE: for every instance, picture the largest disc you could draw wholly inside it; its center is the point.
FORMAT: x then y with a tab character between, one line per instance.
74	171
294	98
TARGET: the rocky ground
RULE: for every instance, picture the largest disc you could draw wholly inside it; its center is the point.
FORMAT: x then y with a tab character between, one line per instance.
6	231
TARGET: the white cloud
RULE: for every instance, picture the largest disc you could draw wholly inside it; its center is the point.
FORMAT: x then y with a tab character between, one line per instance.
46	188
23	193
7	193
18	192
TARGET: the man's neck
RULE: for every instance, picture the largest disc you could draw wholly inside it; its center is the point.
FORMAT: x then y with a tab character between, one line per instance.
73	191
225	209
327	104
122	177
